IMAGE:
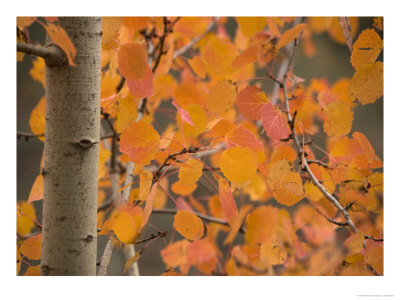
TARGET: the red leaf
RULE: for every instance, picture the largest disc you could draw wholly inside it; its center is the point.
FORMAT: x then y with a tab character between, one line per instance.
274	122
250	101
228	204
143	87
183	113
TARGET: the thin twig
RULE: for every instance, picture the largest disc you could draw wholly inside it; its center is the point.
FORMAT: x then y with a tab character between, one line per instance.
28	135
105	259
370	237
300	149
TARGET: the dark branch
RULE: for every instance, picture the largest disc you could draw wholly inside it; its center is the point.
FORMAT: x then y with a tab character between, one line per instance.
53	55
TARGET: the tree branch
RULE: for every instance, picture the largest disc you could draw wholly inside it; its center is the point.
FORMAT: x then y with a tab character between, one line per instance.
53	55
300	149
105	259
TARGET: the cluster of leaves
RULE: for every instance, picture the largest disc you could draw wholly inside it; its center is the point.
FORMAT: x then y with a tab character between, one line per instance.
225	132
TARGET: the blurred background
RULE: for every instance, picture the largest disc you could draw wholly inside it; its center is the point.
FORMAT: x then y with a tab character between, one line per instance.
331	61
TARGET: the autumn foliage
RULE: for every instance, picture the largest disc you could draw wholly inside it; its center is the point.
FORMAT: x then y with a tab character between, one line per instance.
232	159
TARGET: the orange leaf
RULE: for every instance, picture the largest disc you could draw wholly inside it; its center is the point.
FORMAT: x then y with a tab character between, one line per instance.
283	151
142	87
61	39
197	65
366	49
374	255
190	171
37	190
126	113
221	97
132	61
373	160
251	25
185	117
261	225
182	189
274	122
175	255
38	71
338	118
127	223
140	142
228	204
367	83
218	55
188	225
37	119
145	184
250	101
237	223
289	189
240	136
201	251
354	244
290	34
32	247
149	203
248	56
238	164
277	171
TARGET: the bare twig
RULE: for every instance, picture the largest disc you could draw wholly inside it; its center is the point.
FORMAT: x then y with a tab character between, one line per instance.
105	259
300	149
52	54
370	237
28	135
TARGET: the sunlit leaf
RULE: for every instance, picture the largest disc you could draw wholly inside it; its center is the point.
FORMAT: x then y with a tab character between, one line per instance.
238	164
277	171
248	56
142	87
110	26
38	70
197	65
237	222
188	225
218	56
275	124
140	142
190	171
251	25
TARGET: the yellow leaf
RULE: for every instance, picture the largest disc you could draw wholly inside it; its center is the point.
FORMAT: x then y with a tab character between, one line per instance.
188	225
126	113
181	189
190	171
197	65
277	170
238	164
33	271
366	49
221	97
37	71
366	85
289	189
261	225
251	25
339	118
25	216
110	26
37	119
127	223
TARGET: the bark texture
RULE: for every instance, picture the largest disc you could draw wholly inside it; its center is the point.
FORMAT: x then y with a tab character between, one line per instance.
70	169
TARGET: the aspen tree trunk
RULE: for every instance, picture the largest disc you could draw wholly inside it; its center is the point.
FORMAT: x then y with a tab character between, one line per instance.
71	149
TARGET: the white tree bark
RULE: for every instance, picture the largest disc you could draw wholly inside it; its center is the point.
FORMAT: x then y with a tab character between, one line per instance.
71	150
